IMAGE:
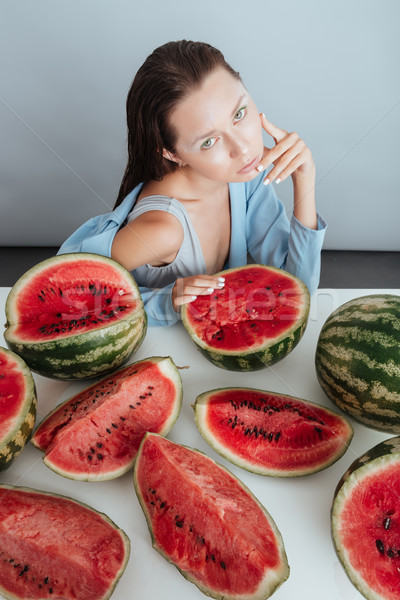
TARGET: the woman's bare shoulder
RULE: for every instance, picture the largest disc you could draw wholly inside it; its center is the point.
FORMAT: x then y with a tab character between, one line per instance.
153	237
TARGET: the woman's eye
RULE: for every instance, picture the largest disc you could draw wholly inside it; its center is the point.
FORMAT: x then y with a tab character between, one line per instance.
240	114
208	143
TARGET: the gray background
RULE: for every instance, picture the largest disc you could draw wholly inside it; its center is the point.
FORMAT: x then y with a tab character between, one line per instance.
329	70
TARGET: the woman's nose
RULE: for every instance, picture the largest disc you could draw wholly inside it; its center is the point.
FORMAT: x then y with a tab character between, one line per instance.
238	146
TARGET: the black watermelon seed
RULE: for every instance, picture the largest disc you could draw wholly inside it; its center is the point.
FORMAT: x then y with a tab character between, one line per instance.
108	430
100	456
46	580
162	505
222	562
380	546
277	436
114	425
179	523
390	553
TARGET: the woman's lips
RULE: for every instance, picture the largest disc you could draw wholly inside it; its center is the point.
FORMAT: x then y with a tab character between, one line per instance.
250	166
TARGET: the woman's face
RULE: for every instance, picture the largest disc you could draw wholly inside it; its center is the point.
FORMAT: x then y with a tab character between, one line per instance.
219	133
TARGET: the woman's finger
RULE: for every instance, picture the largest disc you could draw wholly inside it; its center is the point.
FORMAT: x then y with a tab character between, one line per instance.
272	130
283	162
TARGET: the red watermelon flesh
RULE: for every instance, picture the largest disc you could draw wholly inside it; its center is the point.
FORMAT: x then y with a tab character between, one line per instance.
370	531
54	547
256	304
205	521
12	393
69	297
269	433
96	433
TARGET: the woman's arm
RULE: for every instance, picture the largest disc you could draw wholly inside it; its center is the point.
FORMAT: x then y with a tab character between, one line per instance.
291	157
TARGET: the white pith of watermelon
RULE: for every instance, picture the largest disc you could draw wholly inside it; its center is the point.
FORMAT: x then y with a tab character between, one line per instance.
17	406
95	435
255	320
75	316
55	547
271	434
206	522
366	522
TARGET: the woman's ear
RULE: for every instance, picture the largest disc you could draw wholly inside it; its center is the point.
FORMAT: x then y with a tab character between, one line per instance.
172	157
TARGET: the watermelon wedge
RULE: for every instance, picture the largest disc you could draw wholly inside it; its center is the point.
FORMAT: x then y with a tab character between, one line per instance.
253	322
95	435
366	521
17	406
269	433
206	522
55	547
75	316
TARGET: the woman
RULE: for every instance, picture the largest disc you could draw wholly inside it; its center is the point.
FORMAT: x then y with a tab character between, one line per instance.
196	183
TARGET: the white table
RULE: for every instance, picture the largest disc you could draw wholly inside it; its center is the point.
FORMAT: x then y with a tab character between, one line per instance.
299	506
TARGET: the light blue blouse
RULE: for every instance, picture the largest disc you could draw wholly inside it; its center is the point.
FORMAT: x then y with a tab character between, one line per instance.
259	228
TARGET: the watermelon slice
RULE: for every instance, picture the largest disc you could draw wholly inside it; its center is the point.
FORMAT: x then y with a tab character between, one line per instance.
366	521
17	406
55	547
269	433
75	316
206	522
95	435
254	321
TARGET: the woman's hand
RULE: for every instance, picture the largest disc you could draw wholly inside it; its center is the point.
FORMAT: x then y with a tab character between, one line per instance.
290	155
186	289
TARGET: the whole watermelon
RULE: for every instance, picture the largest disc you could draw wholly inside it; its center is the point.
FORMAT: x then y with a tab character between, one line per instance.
358	360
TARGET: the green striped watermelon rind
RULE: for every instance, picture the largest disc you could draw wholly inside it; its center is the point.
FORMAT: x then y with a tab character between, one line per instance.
263	594
84	355
268	353
125	539
200	411
14	443
169	369
363	380
378	457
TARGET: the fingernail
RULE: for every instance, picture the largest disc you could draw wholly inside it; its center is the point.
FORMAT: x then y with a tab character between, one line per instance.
221	278
210	290
194	297
260	168
278	180
221	284
266	181
263	115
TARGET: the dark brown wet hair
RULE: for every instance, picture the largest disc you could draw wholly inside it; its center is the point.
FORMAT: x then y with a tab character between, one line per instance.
168	75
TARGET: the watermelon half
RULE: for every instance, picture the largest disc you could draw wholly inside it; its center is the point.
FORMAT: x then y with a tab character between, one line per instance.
358	360
75	316
206	522
366	521
17	406
95	435
269	433
55	547
254	321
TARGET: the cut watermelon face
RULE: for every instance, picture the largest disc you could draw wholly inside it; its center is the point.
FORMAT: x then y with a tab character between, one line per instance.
17	406
55	547
254	321
96	434
271	434
206	522
74	316
366	522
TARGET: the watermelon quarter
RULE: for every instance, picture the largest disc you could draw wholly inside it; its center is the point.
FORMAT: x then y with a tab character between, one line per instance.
17	406
254	321
55	547
75	316
358	360
269	433
95	435
366	521
206	522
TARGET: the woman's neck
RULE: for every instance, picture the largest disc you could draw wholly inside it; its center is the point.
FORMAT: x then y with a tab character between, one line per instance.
186	185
